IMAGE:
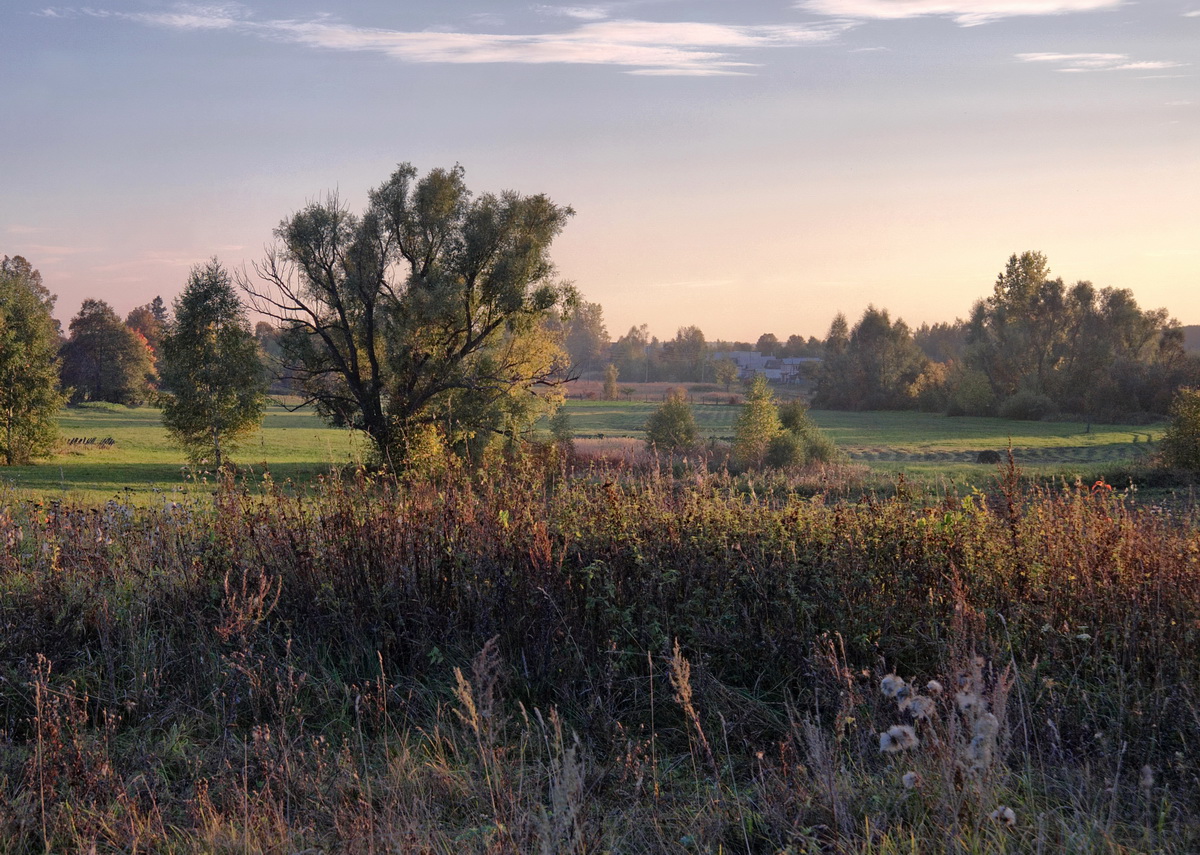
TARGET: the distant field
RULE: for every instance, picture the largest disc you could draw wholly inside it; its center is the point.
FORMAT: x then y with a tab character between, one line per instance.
905	440
142	462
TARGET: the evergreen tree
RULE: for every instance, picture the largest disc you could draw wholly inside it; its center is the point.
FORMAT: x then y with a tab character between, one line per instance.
211	368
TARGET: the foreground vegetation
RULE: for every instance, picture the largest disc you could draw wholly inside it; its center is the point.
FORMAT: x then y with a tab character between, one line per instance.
600	662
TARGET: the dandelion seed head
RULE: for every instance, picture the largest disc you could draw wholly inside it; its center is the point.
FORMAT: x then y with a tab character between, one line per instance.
898	737
891	686
980	753
987	726
1006	815
918	706
911	780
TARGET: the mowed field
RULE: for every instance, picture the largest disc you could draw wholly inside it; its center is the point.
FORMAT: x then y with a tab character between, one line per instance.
141	465
905	440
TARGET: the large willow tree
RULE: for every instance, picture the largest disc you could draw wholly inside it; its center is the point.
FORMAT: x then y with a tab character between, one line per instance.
424	313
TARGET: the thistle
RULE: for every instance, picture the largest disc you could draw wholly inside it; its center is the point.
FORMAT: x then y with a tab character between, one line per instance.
1005	815
892	686
918	706
898	737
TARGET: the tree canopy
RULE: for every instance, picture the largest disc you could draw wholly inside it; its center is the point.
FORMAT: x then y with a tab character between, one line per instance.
104	360
213	377
29	383
424	313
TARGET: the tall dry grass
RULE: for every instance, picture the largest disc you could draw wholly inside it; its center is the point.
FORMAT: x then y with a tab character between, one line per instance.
551	660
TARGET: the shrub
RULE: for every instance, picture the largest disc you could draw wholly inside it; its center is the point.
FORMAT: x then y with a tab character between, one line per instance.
1181	444
970	394
786	450
819	447
672	427
1027	407
793	415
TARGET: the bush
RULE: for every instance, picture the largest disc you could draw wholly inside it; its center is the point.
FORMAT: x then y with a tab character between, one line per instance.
786	450
1027	407
793	415
970	394
819	447
1180	447
672	427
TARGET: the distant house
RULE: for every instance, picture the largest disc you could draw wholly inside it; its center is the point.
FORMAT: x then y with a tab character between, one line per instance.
751	363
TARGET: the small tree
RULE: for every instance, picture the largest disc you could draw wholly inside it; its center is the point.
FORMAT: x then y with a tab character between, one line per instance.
610	382
672	427
1181	444
562	429
212	369
756	425
29	393
726	372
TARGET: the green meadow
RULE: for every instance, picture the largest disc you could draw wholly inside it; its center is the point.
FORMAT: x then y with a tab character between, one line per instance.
142	463
918	442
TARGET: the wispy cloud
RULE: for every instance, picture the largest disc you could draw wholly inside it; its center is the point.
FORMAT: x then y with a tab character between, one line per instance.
582	13
966	12
641	47
1082	62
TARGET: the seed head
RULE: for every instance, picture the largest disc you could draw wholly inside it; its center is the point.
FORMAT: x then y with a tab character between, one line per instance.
1005	815
891	686
980	753
1147	780
911	780
933	687
966	700
987	726
918	706
898	737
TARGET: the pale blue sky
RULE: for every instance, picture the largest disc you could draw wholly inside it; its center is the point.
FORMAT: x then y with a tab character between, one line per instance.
743	165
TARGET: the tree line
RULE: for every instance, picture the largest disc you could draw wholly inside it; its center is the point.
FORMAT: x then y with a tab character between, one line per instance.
1034	348
434	323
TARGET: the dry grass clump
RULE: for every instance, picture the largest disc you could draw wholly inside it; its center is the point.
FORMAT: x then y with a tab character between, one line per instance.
557	661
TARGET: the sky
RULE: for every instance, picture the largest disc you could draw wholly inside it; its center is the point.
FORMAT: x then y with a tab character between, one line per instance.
746	166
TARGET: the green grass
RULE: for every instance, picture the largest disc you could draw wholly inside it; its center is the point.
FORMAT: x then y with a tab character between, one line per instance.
907	441
143	463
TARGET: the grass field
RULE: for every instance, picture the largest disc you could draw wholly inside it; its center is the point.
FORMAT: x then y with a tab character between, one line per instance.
892	440
143	463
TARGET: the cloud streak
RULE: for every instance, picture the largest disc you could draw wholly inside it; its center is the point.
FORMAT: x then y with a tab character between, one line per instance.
639	47
1077	63
965	12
